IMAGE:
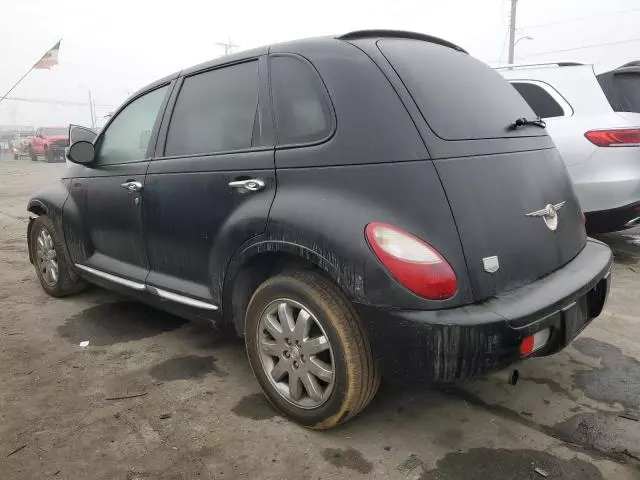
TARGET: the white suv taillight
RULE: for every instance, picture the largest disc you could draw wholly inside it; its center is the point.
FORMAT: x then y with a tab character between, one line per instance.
414	263
621	137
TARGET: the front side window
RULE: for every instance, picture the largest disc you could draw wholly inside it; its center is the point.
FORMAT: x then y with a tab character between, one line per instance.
300	101
216	111
126	139
539	100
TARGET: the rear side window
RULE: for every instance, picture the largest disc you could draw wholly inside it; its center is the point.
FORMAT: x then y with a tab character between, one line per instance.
459	97
215	111
539	100
300	101
622	90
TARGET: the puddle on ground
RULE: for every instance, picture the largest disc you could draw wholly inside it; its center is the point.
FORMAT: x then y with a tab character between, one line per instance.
625	258
501	464
117	322
618	380
255	407
183	368
607	433
349	458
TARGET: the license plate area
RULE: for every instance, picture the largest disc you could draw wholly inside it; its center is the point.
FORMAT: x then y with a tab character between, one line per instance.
575	318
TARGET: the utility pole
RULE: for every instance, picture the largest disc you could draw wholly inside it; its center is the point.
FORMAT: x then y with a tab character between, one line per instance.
512	31
91	111
228	46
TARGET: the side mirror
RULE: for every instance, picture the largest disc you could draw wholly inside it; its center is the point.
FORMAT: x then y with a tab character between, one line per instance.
81	152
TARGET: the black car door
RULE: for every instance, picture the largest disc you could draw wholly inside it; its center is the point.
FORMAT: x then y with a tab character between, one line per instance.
105	208
213	181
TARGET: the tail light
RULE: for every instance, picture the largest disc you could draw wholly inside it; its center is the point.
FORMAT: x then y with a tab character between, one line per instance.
414	263
614	138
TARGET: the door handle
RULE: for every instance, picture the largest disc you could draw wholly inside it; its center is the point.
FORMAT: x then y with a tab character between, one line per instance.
132	186
251	184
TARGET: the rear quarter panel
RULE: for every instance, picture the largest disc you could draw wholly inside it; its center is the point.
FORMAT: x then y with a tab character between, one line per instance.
326	210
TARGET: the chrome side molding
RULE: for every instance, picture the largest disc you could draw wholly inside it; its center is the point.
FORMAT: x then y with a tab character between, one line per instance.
174	297
112	278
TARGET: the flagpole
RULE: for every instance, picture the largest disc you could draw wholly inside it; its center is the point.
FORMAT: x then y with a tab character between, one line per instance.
57	45
16	84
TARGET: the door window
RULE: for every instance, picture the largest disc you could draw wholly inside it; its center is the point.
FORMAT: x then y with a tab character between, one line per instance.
539	100
216	111
300	101
126	139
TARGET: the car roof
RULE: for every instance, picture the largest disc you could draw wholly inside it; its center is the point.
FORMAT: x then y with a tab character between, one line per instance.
293	46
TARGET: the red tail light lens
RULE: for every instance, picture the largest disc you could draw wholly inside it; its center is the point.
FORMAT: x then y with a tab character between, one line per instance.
414	263
609	138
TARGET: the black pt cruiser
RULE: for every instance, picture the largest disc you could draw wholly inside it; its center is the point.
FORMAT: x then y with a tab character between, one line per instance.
374	204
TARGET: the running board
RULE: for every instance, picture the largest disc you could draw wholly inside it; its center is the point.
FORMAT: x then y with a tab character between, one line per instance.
174	297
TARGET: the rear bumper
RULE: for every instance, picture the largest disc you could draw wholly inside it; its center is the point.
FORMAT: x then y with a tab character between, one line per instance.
610	179
459	343
604	221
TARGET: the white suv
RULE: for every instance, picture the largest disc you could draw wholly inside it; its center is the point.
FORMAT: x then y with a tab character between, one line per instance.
594	119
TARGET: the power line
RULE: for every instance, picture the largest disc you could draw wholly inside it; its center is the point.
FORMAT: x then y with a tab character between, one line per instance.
57	102
579	19
632	40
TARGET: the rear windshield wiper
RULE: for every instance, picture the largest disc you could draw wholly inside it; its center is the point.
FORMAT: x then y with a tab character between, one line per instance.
523	122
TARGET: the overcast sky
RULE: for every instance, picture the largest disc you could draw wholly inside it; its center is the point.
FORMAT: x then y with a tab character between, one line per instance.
113	48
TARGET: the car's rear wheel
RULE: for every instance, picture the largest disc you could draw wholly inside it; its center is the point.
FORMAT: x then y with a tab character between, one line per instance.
49	261
49	156
308	350
32	155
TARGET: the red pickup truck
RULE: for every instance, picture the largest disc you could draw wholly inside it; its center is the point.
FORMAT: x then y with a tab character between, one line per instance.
49	142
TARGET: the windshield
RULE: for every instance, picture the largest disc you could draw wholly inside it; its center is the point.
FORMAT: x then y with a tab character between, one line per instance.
622	89
459	97
55	131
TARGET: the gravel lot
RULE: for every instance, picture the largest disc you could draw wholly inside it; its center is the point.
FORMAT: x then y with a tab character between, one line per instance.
200	413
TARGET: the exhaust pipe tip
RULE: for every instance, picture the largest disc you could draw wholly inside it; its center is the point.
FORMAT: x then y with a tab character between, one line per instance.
510	377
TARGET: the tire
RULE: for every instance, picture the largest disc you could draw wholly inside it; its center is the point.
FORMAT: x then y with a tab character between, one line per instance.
355	378
64	284
49	156
16	156
34	157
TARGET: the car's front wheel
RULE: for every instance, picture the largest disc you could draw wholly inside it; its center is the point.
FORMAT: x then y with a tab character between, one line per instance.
308	350
49	261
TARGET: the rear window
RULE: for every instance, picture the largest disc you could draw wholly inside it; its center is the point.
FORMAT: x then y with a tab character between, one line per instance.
539	100
622	89
460	97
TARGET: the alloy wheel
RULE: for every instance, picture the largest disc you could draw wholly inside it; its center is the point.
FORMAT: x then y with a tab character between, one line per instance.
295	353
47	258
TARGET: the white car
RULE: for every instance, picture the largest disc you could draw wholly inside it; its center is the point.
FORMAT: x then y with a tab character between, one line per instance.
594	119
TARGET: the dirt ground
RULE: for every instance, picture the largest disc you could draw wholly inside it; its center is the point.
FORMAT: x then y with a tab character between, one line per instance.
200	413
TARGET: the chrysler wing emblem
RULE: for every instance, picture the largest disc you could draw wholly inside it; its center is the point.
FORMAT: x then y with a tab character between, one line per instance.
549	214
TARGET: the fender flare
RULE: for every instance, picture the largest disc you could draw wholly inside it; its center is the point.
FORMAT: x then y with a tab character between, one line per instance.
351	284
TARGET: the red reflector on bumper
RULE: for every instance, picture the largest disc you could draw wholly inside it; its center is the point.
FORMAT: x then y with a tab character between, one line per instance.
526	347
534	342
